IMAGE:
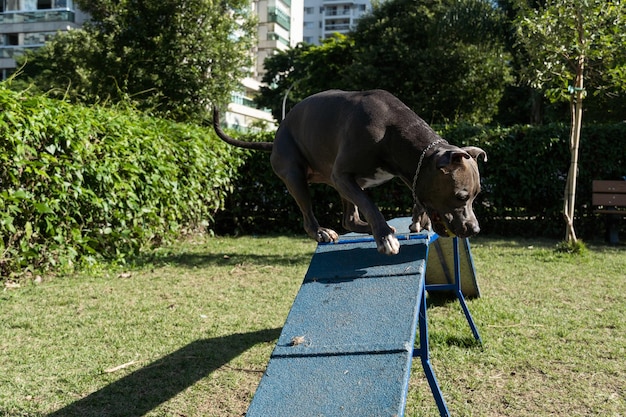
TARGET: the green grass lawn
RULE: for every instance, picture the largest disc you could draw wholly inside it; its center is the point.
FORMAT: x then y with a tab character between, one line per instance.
189	330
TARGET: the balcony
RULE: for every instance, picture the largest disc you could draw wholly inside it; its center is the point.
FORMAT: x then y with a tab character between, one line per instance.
271	36
338	13
11	51
239	98
37	16
342	27
276	15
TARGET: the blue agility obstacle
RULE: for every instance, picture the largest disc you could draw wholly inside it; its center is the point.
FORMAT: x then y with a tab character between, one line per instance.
347	345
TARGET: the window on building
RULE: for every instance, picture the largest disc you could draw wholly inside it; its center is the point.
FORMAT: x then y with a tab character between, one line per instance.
44	4
38	38
6	73
309	10
12	39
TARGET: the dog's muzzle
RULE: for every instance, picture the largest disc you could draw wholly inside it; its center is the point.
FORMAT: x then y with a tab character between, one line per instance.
443	226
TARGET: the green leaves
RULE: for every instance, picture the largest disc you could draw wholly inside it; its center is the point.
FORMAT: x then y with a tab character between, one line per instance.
78	182
444	59
168	57
556	36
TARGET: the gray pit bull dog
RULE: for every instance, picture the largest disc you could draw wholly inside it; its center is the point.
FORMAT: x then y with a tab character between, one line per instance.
356	140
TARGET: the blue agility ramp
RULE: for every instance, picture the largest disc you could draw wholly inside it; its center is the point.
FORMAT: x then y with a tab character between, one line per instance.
348	343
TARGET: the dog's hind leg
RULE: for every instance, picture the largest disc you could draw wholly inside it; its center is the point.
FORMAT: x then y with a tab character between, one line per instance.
298	187
291	168
351	219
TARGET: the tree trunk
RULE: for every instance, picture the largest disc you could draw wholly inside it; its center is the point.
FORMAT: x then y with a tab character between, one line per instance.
577	118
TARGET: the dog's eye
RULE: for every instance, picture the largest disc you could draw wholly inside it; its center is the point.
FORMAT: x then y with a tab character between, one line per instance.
462	196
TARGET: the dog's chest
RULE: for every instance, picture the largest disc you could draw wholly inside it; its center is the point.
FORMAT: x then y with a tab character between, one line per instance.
379	177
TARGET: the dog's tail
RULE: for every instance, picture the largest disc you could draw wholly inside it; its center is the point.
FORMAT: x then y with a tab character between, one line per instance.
257	146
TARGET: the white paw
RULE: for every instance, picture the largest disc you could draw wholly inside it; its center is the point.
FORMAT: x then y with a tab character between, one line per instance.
326	235
388	245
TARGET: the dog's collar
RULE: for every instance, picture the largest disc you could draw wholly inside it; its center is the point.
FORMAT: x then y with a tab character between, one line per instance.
419	166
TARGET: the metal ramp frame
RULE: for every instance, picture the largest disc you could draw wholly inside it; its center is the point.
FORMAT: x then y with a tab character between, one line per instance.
450	270
347	345
454	284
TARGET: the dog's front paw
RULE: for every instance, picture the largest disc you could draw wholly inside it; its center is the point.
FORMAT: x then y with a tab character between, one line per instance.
326	235
388	245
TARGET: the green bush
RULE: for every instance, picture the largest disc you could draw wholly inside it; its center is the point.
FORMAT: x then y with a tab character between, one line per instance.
524	178
78	183
523	183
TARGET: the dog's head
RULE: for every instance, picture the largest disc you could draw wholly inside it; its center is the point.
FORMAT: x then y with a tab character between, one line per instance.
453	183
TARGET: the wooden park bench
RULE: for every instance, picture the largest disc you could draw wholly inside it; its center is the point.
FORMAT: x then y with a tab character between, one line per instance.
609	198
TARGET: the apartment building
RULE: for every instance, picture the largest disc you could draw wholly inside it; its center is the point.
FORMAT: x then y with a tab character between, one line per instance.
279	27
28	24
323	18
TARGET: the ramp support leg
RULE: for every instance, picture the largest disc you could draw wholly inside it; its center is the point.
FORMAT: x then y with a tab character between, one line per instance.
423	352
459	293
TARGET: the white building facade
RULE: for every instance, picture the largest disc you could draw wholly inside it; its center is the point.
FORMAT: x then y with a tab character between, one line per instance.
279	28
323	18
28	24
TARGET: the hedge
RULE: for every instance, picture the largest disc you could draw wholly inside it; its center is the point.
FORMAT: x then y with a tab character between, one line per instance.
80	183
523	183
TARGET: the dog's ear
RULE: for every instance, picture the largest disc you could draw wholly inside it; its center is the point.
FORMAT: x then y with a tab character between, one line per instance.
451	158
476	152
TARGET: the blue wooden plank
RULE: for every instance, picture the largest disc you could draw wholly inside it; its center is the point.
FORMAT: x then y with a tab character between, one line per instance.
360	259
360	315
440	258
340	385
347	344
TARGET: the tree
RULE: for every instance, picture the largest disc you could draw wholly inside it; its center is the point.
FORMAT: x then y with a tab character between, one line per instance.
443	58
172	58
66	67
298	72
575	47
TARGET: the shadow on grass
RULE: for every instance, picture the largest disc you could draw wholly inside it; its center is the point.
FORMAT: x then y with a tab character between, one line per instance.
466	342
141	391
